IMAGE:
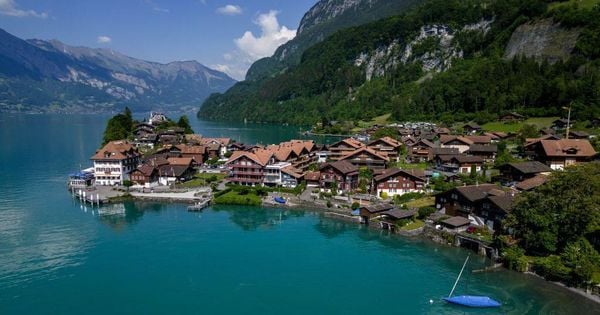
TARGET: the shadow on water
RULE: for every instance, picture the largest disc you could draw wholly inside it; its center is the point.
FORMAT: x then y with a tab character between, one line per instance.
255	218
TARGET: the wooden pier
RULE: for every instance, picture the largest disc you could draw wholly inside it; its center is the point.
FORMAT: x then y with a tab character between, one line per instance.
199	206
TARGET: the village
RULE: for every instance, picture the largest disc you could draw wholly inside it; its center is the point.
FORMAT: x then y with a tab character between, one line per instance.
427	177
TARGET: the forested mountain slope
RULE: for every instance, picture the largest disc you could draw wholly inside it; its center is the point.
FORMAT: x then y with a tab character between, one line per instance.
446	60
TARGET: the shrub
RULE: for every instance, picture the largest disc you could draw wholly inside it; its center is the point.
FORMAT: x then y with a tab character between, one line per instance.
552	268
329	204
355	205
425	212
383	195
515	259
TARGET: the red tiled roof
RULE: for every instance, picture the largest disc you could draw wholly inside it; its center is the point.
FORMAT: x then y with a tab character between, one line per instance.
116	150
568	148
365	149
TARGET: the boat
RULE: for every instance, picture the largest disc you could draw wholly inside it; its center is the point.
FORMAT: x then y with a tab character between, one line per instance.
470	300
279	200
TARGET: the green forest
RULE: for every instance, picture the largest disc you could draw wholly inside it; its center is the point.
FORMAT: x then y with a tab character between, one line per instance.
480	86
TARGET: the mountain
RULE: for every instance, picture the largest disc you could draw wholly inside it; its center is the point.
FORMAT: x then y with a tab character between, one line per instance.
38	75
322	20
442	59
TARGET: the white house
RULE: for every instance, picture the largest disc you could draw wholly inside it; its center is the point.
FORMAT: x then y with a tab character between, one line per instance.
114	162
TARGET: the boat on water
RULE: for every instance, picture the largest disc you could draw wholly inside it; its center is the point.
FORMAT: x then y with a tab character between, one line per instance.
279	200
470	300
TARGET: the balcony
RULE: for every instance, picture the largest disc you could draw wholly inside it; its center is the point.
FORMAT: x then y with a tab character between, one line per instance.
237	165
250	173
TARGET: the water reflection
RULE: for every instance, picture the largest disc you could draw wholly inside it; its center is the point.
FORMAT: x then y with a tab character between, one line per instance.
254	218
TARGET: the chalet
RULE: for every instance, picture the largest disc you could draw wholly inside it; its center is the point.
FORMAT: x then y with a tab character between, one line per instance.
371	211
471	128
561	153
386	146
578	135
171	173
392	217
312	179
114	162
247	168
398	182
458	142
408	140
456	224
562	123
291	177
436	151
420	151
342	174
196	152
493	210
512	173
512	117
366	157
216	147
145	174
486	152
496	136
484	140
343	147
463	200
462	164
547	131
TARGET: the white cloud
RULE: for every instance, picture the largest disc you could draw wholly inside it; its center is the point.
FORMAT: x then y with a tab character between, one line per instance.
104	39
9	7
252	47
272	36
230	9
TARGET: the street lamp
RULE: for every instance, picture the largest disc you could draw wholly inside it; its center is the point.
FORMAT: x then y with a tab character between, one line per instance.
568	119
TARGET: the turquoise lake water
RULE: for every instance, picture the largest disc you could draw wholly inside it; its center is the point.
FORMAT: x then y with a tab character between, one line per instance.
59	258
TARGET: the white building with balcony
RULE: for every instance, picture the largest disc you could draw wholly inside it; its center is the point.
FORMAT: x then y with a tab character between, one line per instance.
114	162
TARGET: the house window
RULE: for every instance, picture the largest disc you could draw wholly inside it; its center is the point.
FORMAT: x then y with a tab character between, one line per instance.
455	196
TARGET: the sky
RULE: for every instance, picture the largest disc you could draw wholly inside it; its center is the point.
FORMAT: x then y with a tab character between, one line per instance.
224	35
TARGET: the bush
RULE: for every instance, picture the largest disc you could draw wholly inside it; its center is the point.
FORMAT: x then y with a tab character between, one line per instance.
552	268
355	205
425	212
383	195
515	259
329	204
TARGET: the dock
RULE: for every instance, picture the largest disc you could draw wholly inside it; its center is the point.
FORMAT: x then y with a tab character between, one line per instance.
199	206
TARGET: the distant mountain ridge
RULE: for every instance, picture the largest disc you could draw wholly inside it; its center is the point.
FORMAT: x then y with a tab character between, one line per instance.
38	75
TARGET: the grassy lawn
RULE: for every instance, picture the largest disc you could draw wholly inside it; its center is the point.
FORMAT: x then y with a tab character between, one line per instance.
540	122
379	120
235	198
203	179
583	4
409	166
413	225
428	201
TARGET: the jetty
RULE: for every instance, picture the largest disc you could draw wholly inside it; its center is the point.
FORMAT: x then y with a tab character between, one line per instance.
199	206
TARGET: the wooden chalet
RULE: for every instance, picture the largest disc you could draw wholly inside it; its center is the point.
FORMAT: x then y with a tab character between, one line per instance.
342	174
462	164
462	201
366	157
396	181
493	210
486	151
512	173
559	154
512	117
343	147
386	146
471	128
370	211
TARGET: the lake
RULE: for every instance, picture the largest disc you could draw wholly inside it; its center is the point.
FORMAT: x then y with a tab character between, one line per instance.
57	257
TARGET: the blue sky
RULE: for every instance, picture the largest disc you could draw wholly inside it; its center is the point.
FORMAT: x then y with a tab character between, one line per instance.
226	35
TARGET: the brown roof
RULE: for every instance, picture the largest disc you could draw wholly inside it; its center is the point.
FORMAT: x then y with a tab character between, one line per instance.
180	161
221	141
342	166
415	173
457	221
400	214
479	139
172	170
489	148
312	176
191	149
568	148
349	141
260	158
116	150
476	192
504	202
532	183
146	169
365	149
472	125
388	140
292	171
530	167
449	138
380	207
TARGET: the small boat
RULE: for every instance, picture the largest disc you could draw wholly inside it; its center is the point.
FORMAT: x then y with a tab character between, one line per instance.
279	200
470	300
473	301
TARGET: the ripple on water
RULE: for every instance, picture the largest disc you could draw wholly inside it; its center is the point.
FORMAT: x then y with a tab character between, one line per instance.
29	253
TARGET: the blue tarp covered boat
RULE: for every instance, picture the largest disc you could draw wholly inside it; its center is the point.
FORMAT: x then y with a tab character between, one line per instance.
473	301
470	300
279	199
